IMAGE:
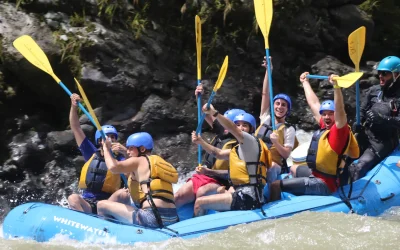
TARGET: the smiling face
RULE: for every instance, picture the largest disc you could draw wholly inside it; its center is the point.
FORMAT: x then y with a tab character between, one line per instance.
244	126
281	108
328	117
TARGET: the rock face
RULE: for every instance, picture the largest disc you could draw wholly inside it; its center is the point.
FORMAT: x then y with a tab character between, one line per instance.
138	68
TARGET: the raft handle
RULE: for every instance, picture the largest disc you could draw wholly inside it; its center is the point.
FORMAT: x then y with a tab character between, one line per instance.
391	195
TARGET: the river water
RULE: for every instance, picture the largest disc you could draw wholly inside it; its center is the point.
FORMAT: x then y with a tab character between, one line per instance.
307	230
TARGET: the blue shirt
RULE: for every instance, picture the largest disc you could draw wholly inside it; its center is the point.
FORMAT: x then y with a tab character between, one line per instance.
88	149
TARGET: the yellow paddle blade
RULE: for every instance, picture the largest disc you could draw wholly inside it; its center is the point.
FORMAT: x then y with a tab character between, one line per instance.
264	11
85	99
198	45
34	54
356	42
221	76
348	80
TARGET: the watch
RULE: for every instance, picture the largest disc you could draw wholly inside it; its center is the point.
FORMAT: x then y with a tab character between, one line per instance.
216	113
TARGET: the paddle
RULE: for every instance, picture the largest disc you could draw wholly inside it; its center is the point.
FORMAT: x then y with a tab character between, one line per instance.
264	11
35	55
97	124
356	44
220	80
343	81
198	50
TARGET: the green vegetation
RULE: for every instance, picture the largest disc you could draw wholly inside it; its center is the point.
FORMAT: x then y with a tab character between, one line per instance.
133	18
78	21
1	50
139	21
385	14
19	3
70	50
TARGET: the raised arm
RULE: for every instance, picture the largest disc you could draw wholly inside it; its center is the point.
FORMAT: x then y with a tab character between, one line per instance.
226	123
311	97
340	113
216	152
74	120
117	167
265	91
199	90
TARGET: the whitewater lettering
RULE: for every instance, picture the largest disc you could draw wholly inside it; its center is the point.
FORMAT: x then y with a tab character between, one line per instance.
78	225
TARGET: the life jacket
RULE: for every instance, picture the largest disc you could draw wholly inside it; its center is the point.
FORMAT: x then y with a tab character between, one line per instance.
264	131
134	189
222	143
159	183
323	159
95	176
239	170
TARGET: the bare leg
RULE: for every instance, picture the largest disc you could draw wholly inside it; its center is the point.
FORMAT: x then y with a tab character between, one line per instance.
77	203
185	194
293	169
117	210
218	202
207	189
275	191
221	190
122	196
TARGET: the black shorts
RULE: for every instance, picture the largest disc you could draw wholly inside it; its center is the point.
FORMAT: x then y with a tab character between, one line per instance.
245	198
92	203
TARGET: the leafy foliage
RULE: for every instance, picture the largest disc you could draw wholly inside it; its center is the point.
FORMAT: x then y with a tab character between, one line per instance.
385	14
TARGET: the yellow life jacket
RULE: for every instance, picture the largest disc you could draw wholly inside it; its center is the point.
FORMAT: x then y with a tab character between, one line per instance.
95	176
134	189
224	164
239	169
323	159
264	131
159	184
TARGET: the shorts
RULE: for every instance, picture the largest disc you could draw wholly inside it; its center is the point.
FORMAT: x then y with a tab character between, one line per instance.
92	203
273	174
145	217
245	198
200	180
305	186
303	171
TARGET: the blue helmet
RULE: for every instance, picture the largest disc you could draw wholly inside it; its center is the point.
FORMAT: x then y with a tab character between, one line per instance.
107	129
232	113
246	117
140	139
287	99
390	63
327	105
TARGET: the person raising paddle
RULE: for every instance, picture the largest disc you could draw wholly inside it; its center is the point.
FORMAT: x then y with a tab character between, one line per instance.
329	144
282	141
95	182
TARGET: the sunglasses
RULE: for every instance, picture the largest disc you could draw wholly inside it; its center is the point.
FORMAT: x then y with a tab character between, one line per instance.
383	73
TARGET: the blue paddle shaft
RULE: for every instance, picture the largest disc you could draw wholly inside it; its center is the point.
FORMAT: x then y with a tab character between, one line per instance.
271	94
198	120
317	77
93	122
358	103
198	130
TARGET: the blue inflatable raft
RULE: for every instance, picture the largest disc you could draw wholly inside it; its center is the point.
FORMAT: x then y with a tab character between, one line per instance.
371	195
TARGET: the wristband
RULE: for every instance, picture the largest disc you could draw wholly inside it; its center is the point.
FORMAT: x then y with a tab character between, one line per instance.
336	86
216	113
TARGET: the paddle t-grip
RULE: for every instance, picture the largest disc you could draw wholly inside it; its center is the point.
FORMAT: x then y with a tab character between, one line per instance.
317	77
